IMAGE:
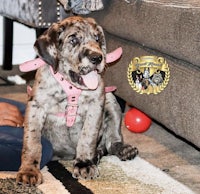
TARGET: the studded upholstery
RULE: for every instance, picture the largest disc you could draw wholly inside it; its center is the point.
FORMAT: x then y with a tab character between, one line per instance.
34	13
38	14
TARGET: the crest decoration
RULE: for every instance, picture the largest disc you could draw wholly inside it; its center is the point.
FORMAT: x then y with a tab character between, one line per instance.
148	74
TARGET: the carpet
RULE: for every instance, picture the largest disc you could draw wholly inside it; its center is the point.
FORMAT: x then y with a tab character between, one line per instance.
116	177
130	177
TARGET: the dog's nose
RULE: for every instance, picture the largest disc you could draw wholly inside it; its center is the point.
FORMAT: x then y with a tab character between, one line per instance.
95	58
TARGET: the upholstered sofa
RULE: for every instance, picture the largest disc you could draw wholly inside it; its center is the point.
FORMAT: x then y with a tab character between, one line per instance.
38	14
164	28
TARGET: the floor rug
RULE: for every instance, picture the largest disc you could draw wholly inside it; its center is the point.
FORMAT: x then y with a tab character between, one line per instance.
116	177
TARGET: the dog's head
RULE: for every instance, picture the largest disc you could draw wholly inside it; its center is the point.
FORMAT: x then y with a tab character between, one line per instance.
74	47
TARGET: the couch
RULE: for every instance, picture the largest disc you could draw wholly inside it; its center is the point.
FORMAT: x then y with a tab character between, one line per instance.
37	14
166	28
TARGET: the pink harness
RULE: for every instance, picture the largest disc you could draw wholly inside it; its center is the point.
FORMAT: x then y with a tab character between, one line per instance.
72	92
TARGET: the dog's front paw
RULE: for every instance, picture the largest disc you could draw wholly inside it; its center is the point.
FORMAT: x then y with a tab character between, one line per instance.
29	176
124	151
85	169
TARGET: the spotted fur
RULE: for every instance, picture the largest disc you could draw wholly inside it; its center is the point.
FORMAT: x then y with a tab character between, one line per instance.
73	47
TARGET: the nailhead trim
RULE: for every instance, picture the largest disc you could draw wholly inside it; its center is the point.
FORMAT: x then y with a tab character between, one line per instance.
41	23
58	11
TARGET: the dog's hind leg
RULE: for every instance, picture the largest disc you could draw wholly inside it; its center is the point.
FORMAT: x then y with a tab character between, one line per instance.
112	137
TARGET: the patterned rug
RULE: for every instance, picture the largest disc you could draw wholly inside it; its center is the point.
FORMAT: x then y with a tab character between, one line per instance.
116	177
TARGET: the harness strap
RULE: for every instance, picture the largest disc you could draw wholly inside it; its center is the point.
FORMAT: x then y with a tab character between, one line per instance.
73	94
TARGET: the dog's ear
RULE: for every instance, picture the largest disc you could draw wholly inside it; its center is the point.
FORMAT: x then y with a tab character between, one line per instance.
47	46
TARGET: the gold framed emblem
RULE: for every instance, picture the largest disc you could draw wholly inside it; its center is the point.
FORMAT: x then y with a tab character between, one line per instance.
148	74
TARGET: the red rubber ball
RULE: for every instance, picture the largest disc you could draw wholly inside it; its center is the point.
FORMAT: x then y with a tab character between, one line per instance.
136	121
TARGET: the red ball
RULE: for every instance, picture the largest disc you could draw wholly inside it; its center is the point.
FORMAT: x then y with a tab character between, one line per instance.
136	121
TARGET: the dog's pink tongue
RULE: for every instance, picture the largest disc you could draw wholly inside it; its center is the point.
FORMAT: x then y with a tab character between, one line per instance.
91	80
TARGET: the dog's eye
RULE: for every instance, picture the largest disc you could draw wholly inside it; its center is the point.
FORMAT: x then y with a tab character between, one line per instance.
74	40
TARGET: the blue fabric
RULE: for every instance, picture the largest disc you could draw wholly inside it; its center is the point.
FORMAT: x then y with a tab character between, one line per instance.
11	141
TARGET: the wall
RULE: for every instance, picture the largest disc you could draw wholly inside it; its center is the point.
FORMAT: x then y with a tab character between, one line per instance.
24	39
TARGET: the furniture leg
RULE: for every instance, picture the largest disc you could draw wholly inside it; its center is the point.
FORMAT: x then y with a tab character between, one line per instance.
7	43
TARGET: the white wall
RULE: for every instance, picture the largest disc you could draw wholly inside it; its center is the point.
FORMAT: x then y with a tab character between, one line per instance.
24	39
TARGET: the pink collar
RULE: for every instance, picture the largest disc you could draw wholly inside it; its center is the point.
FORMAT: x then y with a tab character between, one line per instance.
72	92
36	63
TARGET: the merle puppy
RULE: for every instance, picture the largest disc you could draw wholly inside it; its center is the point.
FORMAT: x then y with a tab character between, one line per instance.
69	105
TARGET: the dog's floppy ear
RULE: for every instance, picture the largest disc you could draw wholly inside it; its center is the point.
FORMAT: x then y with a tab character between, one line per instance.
47	46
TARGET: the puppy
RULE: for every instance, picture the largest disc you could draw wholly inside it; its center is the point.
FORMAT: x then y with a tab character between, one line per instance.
69	105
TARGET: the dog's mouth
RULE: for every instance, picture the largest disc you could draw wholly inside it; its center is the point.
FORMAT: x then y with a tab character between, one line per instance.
90	80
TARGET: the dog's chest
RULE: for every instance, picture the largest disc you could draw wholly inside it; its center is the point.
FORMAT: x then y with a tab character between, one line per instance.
58	103
53	98
63	138
60	109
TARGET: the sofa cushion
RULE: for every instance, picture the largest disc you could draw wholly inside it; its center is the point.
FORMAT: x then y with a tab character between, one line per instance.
170	26
176	107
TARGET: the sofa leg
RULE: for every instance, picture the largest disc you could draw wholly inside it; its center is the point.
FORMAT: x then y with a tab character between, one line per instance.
7	43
